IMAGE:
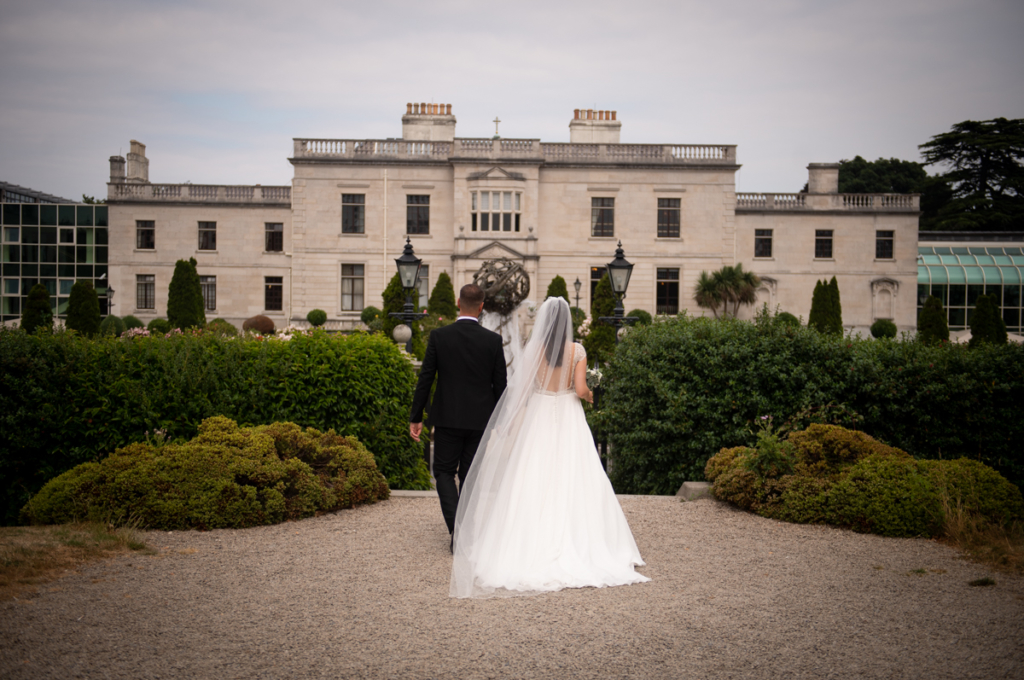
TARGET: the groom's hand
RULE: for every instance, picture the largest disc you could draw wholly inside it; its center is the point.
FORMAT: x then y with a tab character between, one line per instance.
414	430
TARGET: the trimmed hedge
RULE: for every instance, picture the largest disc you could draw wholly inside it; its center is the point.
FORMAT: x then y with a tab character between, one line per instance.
846	478
681	389
226	476
65	400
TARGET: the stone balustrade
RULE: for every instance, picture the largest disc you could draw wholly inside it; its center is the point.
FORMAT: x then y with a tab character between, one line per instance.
533	149
199	193
851	202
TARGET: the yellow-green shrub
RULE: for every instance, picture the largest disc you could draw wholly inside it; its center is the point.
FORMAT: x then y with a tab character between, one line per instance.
848	479
227	476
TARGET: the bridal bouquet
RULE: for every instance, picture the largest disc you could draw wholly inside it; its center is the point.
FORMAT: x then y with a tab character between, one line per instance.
593	378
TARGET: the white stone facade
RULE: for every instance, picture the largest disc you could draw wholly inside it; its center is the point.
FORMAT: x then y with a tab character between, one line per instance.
546	193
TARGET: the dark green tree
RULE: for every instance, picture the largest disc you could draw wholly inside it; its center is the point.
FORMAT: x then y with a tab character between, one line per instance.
728	288
883	176
821	305
985	176
394	301
37	311
643	317
185	307
931	324
557	288
835	314
442	298
83	309
986	324
600	341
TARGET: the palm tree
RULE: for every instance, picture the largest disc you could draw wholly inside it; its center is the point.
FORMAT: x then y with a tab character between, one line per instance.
730	285
708	292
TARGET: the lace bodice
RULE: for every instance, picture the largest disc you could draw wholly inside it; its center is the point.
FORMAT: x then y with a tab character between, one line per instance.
559	379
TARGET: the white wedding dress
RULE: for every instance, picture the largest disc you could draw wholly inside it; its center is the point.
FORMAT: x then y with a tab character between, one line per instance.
538	513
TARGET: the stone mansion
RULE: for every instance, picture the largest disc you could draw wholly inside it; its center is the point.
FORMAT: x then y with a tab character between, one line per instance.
329	240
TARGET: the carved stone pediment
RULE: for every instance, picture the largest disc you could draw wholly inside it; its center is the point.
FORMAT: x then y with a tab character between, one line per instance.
497	173
495	250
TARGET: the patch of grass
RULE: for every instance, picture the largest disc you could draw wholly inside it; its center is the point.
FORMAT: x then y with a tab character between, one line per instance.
919	572
998	546
986	581
30	556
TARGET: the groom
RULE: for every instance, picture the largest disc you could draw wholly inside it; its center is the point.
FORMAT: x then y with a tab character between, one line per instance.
469	363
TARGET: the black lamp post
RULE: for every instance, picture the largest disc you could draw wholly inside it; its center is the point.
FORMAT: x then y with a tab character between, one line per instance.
577	285
619	271
409	274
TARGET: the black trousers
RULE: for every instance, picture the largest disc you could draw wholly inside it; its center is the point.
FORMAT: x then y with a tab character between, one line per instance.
454	449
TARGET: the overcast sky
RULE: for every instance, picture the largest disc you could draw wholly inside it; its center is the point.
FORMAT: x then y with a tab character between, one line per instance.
216	89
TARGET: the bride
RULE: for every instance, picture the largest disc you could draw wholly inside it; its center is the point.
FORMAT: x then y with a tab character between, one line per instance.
538	513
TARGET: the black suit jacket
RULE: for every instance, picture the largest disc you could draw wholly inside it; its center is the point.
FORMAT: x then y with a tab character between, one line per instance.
469	363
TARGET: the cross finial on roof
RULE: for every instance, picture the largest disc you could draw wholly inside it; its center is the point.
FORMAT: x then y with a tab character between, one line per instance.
496	121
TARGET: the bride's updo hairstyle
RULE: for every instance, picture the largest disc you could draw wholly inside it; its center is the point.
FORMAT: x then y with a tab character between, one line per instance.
554	314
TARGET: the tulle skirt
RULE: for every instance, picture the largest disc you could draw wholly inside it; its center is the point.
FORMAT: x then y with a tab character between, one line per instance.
551	520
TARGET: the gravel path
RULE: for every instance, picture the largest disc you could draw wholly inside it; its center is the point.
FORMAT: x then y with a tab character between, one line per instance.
364	594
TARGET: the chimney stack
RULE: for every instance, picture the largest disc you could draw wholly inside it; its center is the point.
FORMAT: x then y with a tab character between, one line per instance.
594	127
823	178
138	164
428	122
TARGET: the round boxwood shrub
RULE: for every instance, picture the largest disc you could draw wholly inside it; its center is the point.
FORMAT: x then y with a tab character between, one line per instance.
131	322
848	479
883	328
316	317
222	327
787	319
162	326
643	318
227	476
369	314
259	324
112	325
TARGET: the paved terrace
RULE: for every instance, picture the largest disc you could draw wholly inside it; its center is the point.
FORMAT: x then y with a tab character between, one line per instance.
363	593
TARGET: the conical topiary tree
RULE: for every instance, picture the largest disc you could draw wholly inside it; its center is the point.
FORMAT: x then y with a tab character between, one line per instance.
986	324
442	298
821	303
557	288
185	307
83	309
835	312
600	341
931	325
37	312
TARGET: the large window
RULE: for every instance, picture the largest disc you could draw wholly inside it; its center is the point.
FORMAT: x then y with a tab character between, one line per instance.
668	217
417	214
496	210
424	285
207	236
274	232
762	243
273	293
595	278
145	235
208	284
668	291
145	291
823	244
353	213
602	216
883	245
352	287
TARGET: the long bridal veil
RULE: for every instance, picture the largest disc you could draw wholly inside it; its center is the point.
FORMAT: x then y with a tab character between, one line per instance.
544	364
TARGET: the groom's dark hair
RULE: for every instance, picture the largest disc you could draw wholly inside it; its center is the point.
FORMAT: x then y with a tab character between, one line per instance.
471	294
